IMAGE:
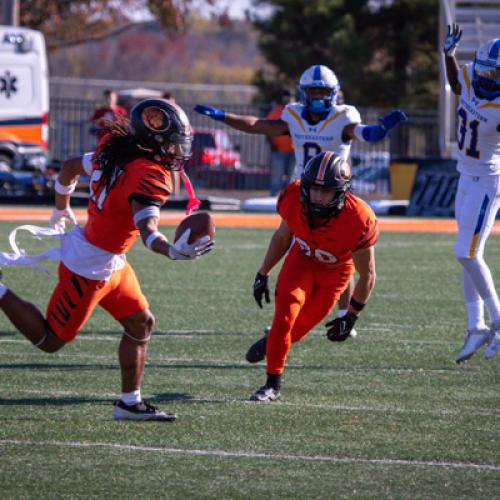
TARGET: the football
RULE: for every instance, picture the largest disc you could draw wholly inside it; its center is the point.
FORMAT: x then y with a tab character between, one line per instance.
200	223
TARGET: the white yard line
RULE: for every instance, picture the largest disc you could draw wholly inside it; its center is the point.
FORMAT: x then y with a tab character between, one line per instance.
477	412
246	454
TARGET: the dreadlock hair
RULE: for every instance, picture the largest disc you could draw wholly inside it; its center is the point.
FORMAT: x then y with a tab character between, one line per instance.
119	149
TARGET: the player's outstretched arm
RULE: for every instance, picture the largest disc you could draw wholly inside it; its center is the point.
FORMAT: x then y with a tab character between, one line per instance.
449	47
245	123
65	184
374	133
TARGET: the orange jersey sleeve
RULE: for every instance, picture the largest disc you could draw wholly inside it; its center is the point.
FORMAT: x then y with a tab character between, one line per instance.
110	225
353	229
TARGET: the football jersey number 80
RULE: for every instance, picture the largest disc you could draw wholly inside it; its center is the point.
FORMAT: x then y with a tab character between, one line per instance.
321	255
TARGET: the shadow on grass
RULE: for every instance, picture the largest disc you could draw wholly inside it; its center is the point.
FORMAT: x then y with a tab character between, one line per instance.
52	401
169	333
70	401
55	366
8	334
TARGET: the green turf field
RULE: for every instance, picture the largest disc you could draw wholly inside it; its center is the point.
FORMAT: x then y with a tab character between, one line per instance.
385	415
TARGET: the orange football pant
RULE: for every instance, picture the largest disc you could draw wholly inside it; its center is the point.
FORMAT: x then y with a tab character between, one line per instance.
75	298
306	292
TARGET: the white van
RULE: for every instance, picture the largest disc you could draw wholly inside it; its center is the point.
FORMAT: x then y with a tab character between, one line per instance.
24	99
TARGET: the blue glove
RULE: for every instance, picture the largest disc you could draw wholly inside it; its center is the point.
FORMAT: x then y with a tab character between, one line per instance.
211	112
452	39
390	120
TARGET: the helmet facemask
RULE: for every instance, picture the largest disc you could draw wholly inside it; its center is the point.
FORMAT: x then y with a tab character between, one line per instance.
328	210
318	77
486	70
327	172
317	105
486	80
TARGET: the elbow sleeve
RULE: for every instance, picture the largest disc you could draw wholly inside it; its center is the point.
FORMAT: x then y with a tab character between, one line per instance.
370	133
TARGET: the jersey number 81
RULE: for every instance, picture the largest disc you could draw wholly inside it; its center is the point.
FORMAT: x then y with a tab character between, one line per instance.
473	125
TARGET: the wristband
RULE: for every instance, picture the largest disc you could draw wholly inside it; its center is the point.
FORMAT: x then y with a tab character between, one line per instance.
62	189
153	237
152	211
358	306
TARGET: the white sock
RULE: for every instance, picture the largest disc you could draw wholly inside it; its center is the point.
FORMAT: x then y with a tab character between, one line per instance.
480	276
3	290
341	312
131	398
475	316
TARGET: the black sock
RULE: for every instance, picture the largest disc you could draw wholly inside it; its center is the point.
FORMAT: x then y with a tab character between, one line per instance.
274	381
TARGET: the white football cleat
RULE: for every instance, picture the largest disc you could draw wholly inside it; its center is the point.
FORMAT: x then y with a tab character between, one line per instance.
474	340
265	393
494	346
140	411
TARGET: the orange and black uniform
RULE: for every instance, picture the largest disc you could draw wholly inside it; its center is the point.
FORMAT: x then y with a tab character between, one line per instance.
316	270
110	227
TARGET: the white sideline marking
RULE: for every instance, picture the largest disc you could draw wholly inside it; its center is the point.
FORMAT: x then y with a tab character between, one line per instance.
478	412
246	454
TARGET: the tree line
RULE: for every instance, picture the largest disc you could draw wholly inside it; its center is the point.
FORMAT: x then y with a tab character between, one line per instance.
385	53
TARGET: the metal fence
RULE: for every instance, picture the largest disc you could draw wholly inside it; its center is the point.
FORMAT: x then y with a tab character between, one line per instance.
417	138
70	123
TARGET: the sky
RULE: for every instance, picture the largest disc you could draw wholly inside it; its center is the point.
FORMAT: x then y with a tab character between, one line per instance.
237	8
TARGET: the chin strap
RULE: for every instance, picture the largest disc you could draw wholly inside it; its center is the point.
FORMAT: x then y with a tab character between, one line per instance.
193	202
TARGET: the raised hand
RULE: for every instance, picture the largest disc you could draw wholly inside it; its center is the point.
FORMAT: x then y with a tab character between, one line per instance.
452	39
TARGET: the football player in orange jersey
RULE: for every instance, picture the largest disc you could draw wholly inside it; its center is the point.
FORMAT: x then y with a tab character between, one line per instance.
131	178
333	233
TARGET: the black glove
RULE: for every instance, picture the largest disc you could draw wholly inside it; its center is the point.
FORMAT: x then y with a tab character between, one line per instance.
261	289
340	328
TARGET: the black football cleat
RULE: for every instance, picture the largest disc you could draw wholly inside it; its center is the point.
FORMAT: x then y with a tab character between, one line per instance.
265	393
257	351
140	411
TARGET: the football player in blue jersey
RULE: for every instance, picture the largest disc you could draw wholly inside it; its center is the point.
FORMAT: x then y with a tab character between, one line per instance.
477	201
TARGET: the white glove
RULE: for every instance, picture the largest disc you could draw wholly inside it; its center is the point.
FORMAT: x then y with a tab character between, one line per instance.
59	217
452	39
182	250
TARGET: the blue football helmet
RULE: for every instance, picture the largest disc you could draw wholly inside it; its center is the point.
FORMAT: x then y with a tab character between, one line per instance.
486	72
318	77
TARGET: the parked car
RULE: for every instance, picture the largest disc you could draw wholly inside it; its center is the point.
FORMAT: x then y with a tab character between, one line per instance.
213	148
